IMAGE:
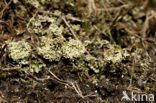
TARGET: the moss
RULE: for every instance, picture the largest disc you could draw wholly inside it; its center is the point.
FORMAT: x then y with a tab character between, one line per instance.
50	48
73	49
19	50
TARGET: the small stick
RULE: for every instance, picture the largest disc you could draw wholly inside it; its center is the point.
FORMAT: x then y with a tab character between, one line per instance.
70	28
77	89
10	69
58	79
68	83
31	19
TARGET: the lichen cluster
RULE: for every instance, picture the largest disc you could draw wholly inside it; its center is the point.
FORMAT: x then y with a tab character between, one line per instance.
73	49
76	27
19	50
40	3
37	65
45	25
111	52
53	49
50	48
113	55
53	45
96	64
35	3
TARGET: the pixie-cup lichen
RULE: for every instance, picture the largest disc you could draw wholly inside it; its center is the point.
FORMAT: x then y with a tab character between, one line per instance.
19	50
73	49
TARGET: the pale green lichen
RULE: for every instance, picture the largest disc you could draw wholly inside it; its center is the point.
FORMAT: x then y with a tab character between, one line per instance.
57	12
76	27
40	3
23	62
36	65
35	3
45	24
103	44
138	54
19	50
57	31
87	62
73	49
111	52
96	64
50	48
113	55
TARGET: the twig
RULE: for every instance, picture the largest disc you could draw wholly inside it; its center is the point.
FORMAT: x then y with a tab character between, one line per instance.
106	9
31	19
10	69
77	89
58	79
69	84
115	8
7	5
3	22
146	24
69	28
75	19
2	98
91	6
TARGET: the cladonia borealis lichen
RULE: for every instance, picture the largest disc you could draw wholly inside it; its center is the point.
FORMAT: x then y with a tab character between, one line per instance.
19	50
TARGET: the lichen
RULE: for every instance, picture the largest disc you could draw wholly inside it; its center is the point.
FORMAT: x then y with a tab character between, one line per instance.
73	49
45	25
36	65
76	27
96	64
111	52
35	3
88	62
57	12
50	49
19	50
113	55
